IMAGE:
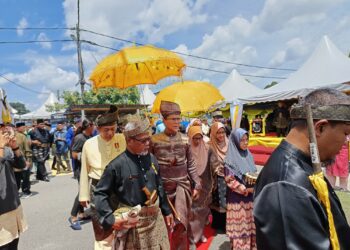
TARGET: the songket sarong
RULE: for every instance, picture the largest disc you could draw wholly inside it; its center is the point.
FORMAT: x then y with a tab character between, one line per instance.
41	153
150	232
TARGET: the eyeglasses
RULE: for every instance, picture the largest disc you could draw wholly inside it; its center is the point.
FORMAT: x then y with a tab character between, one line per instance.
143	141
244	141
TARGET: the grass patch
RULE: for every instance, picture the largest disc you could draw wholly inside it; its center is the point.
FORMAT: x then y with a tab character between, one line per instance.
345	202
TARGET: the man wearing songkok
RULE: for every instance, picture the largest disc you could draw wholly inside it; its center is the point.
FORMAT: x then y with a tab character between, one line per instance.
177	169
97	152
41	143
23	177
12	222
133	177
295	207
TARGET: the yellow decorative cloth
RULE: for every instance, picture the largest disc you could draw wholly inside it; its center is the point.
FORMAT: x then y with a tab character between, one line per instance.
320	185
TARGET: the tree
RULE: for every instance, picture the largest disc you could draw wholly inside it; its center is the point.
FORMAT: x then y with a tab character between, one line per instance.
273	83
20	107
56	107
103	96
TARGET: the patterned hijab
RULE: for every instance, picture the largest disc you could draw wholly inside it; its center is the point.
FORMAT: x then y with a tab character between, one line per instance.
220	149
199	153
238	161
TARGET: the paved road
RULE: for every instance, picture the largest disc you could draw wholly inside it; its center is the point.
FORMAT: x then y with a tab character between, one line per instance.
47	214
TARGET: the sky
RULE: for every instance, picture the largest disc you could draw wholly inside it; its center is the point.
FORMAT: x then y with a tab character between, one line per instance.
279	34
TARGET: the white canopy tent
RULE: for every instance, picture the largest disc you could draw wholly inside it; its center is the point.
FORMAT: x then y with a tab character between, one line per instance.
235	86
147	97
326	67
41	112
232	89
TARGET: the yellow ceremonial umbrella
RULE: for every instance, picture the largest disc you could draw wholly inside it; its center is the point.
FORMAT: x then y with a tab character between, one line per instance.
192	96
136	65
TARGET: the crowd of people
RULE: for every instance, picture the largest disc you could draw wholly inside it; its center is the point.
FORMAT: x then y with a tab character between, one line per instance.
158	188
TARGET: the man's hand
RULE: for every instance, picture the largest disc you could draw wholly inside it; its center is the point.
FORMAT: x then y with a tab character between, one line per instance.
169	220
195	194
120	224
84	203
4	139
36	142
13	142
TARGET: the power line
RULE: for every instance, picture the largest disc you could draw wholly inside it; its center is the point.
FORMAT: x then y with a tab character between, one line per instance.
107	47
127	41
36	28
20	86
226	72
194	56
192	67
36	41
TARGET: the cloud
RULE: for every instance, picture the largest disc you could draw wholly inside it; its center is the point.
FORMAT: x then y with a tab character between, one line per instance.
295	48
164	17
21	25
282	34
149	20
43	37
277	14
45	71
226	43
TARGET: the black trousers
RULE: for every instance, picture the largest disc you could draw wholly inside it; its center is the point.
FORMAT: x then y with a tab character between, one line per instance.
23	180
13	245
41	172
76	205
26	181
18	176
77	208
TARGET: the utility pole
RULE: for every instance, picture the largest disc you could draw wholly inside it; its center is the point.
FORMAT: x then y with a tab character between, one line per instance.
80	61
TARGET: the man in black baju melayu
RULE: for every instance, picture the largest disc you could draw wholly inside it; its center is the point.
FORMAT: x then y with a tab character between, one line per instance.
288	211
133	177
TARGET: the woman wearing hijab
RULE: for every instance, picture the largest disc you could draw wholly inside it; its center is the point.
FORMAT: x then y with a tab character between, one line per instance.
239	161
218	144
204	159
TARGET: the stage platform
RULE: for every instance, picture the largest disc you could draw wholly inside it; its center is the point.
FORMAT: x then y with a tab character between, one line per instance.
262	147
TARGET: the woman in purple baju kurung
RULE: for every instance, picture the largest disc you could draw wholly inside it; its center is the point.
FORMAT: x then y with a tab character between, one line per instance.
240	226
